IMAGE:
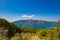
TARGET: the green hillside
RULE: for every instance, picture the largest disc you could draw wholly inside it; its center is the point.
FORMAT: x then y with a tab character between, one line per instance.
8	31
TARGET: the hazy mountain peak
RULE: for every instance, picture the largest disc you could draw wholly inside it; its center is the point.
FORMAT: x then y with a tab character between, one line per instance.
35	23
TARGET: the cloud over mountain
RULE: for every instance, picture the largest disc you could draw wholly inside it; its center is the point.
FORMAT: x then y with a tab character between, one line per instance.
28	16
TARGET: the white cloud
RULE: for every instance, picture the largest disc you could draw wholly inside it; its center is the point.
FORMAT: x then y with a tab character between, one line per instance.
27	16
24	16
31	16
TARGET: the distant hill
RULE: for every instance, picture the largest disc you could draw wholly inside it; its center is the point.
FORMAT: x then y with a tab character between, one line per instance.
35	24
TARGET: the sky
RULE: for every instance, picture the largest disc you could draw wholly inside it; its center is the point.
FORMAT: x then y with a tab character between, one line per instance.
13	10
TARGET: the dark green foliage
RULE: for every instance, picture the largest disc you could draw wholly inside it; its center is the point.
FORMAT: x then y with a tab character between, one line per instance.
43	34
59	35
12	29
30	30
58	26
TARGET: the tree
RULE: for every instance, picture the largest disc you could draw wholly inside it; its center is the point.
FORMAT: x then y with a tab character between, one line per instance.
58	26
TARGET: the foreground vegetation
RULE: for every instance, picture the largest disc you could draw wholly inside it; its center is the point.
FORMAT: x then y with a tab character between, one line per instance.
9	31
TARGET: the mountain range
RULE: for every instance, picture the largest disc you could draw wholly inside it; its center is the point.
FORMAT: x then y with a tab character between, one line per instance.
35	24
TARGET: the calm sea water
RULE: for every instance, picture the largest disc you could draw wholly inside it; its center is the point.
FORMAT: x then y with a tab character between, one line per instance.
35	25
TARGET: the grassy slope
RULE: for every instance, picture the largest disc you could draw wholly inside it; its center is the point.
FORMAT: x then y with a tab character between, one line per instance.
20	33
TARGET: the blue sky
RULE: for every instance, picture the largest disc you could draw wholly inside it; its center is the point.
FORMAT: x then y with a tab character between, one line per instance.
41	9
